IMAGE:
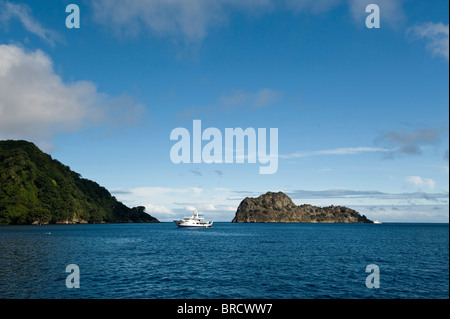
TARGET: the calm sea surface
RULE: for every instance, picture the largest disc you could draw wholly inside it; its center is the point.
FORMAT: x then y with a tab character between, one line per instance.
226	261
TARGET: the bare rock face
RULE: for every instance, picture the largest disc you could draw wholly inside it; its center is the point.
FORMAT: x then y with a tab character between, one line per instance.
279	208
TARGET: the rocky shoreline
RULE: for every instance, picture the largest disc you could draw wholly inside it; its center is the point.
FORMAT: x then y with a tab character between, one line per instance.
279	208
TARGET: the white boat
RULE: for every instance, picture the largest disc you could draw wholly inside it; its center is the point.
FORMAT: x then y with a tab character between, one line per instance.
376	222
194	221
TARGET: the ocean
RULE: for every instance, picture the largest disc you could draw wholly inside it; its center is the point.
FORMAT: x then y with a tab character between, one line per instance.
227	261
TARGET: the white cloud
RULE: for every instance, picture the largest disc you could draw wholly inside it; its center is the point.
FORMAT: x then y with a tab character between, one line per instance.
21	12
260	98
197	190
420	181
237	99
36	104
159	200
34	100
200	206
166	203
405	213
336	151
266	97
436	36
391	12
312	6
412	142
347	194
220	204
190	208
193	20
158	210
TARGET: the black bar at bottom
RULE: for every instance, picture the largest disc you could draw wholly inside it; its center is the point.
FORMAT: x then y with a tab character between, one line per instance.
230	308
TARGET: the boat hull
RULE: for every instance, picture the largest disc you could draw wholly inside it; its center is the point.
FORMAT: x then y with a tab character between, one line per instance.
181	225
195	221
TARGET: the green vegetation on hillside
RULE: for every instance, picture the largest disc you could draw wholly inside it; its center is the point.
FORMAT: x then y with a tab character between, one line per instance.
34	188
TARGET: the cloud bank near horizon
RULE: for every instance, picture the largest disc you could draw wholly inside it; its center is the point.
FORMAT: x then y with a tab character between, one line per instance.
220	204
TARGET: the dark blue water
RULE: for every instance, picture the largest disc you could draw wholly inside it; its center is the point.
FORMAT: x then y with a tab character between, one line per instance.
226	261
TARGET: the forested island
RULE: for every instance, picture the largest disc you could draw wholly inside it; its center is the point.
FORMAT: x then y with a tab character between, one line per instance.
37	189
279	208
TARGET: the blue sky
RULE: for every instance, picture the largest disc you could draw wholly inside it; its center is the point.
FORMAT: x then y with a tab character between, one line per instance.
362	114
